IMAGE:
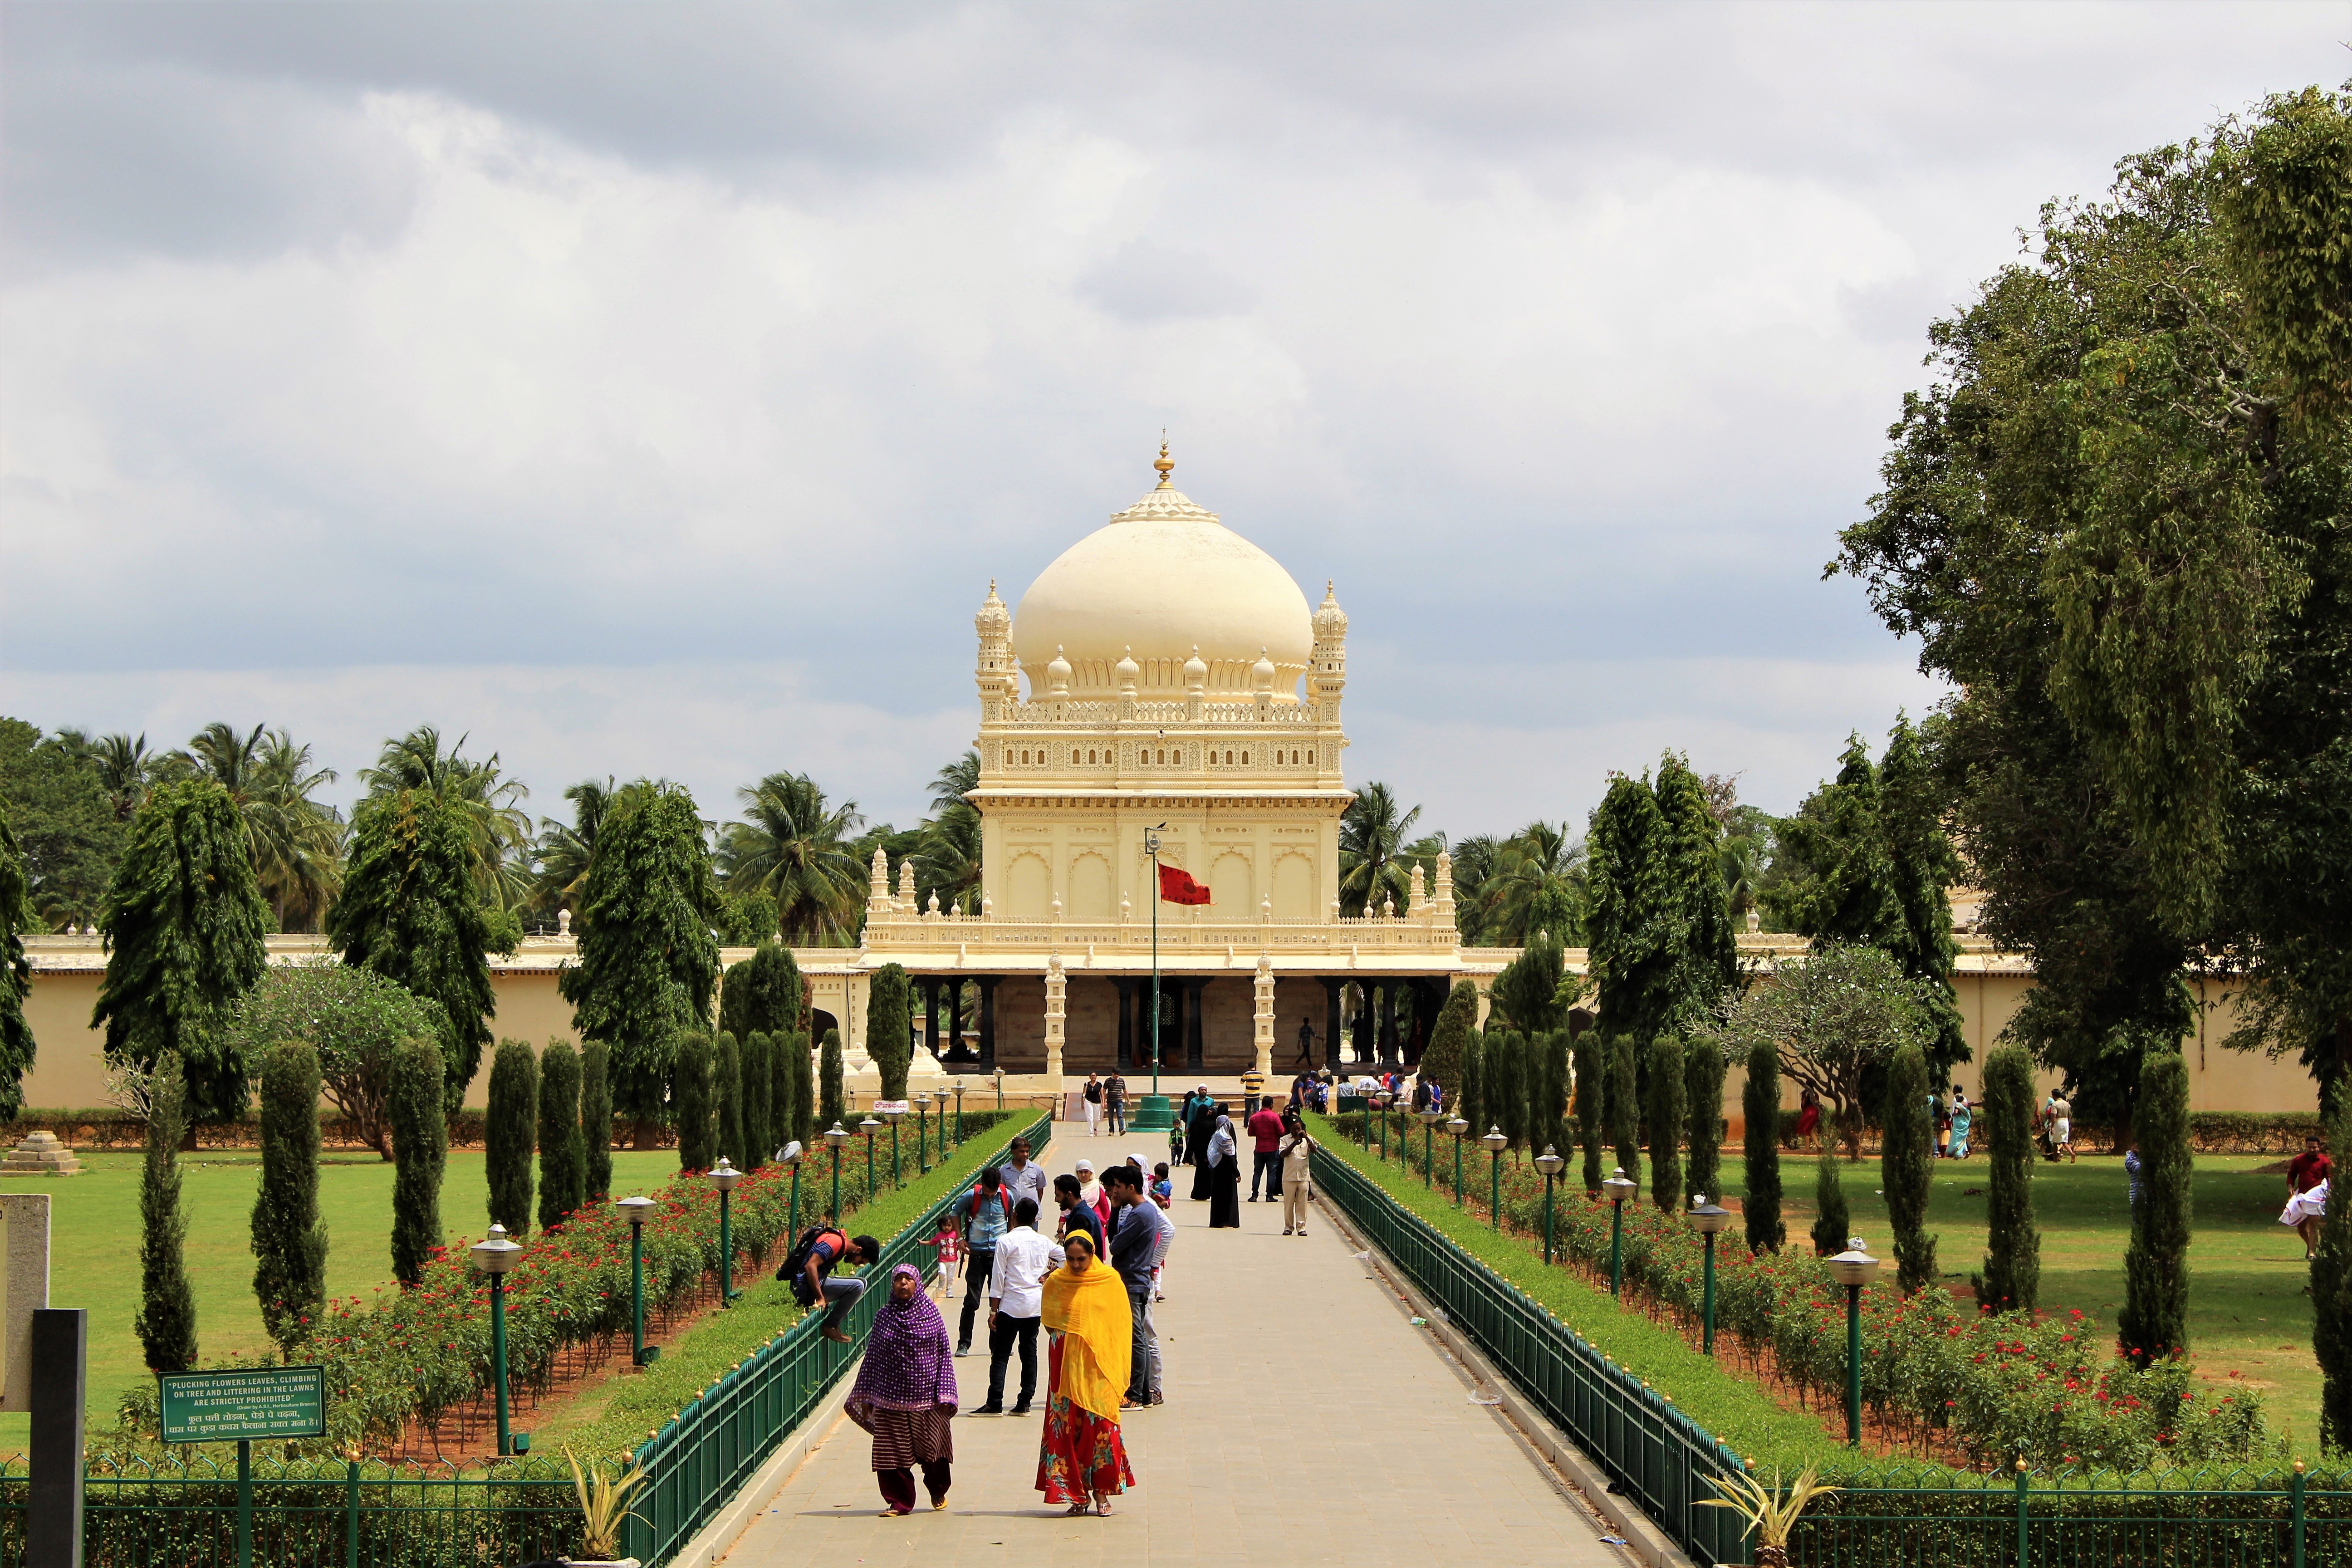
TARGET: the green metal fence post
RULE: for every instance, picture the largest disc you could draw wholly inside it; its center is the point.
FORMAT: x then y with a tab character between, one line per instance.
2294	1489
352	1514
1854	1366
1708	1342
244	1503
2023	1544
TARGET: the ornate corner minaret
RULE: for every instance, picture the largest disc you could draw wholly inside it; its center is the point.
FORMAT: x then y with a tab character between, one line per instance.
1326	669
996	671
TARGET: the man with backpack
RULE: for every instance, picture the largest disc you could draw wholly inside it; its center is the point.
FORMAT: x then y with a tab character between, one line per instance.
983	1215
810	1267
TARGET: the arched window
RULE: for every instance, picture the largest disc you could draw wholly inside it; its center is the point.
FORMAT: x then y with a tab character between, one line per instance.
1311	758
1024	758
1245	759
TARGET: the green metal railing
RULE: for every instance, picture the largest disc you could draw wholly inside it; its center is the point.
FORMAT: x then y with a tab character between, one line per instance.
1651	1451
2260	1517
698	1461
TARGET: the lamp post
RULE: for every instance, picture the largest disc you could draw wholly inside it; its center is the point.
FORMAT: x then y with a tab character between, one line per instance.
1460	1129
637	1210
1381	1099
835	1137
724	1176
789	1157
1153	1114
958	1139
1619	1189
1853	1269
866	1130
1709	1218
1550	1165
496	1257
1429	1120
891	1115
1496	1144
923	1143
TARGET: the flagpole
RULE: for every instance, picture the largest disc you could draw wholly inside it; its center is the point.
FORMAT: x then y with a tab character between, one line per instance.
1154	1113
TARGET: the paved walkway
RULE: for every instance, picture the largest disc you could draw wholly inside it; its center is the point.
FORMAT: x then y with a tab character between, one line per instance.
1307	1422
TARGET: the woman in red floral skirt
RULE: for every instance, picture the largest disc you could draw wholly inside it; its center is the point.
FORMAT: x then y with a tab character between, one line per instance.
1081	1458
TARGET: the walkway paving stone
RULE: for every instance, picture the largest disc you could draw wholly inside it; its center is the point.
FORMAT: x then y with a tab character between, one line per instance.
1307	1422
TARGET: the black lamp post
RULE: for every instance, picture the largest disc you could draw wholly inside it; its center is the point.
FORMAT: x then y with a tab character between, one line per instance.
891	1114
1619	1189
1381	1099
1461	1130
789	1157
922	1130
1496	1144
1429	1124
496	1257
723	1176
636	1211
959	1094
866	1130
1550	1165
1709	1218
835	1137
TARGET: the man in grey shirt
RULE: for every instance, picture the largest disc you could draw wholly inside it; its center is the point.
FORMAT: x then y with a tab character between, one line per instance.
1139	1235
1023	1177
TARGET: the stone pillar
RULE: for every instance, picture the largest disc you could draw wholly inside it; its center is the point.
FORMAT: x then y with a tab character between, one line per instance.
987	983
1126	1023
931	987
1331	1040
1193	1057
1264	986
1058	989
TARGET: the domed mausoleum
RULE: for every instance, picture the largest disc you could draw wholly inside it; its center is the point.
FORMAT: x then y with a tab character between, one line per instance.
1178	691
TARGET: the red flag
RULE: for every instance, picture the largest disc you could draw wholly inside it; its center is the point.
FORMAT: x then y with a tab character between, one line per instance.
1176	887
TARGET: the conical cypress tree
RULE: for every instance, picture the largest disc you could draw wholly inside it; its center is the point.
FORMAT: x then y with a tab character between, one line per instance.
420	1143
1759	1103
2331	1289
2012	1279
17	914
759	1093
1904	1168
1623	1109
829	1110
799	1098
1441	1063
1832	1225
1502	1092
1591	1103
1703	1086
1550	1131
889	1040
508	1133
727	1099
1471	1068
597	1118
290	1243
2154	1320
562	1162
690	1102
1668	1113
166	1323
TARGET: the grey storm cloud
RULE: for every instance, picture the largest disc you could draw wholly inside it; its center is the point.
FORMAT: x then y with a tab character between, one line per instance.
568	373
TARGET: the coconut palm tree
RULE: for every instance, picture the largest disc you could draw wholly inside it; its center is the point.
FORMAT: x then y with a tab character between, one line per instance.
1372	846
796	849
948	862
1536	884
563	852
297	843
498	828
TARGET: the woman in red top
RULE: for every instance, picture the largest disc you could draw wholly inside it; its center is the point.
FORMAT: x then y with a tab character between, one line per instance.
2306	1193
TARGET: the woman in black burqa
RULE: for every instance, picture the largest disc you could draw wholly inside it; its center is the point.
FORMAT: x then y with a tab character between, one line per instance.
1197	1133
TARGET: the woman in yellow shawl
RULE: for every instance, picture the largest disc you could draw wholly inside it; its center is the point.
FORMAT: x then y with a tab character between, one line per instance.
1086	1311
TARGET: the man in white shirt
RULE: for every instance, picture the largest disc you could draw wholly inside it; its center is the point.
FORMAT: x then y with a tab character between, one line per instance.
1023	1177
1015	1291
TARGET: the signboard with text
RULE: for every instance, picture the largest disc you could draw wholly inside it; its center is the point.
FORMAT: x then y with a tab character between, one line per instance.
244	1403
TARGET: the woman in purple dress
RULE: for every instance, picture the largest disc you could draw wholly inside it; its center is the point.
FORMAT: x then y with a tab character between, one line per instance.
906	1394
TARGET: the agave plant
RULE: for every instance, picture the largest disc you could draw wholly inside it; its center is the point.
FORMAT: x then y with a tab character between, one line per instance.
1770	1511
603	1505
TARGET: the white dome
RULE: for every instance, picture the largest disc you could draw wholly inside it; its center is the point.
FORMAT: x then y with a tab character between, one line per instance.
1164	579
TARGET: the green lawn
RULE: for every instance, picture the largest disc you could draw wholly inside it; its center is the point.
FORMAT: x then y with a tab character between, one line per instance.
2247	1312
94	1247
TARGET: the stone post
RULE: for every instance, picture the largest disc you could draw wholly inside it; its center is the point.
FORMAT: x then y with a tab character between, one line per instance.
1057	987
1264	991
26	1218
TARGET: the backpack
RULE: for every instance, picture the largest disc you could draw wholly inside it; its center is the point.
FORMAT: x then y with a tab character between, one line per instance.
797	1261
972	1213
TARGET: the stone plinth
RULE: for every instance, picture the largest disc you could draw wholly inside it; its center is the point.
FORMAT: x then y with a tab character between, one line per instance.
40	1155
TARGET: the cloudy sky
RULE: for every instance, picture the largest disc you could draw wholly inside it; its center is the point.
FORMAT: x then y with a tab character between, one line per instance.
656	389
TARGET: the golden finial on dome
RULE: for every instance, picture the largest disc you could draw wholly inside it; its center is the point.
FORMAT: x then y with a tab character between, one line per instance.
1164	465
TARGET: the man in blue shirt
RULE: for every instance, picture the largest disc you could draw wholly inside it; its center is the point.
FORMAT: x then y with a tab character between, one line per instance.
983	1215
1138	1232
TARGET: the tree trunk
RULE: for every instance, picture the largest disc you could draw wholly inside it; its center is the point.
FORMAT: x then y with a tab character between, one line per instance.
643	1136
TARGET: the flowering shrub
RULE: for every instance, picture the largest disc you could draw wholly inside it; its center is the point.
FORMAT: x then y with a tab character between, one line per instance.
412	1355
1990	1387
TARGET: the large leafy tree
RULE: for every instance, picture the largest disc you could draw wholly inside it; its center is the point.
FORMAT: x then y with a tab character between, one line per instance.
67	827
354	1018
798	850
563	852
648	962
1834	1017
1374	840
2117	522
17	917
412	912
1658	925
296	842
183	923
497	829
